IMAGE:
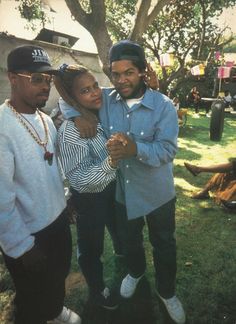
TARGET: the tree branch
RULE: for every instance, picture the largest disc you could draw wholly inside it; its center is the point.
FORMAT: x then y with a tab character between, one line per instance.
203	33
78	12
156	10
143	19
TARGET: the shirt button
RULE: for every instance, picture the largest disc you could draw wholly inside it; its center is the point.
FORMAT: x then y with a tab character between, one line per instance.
111	127
140	159
127	166
128	133
142	133
127	181
127	115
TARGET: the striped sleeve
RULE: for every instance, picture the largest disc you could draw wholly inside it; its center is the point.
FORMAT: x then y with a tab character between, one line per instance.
84	161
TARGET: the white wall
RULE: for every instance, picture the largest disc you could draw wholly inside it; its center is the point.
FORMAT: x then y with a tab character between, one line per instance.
58	55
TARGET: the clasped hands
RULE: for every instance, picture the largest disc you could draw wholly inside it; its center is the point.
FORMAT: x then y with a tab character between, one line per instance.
120	147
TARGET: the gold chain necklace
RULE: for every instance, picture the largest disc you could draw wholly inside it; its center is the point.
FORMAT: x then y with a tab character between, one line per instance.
48	156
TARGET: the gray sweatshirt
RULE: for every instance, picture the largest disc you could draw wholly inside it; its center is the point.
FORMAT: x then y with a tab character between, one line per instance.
31	190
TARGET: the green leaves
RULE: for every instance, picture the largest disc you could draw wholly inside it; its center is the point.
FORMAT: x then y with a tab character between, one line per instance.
30	9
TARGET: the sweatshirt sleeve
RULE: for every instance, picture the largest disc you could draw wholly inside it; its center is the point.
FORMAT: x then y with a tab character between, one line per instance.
15	239
67	110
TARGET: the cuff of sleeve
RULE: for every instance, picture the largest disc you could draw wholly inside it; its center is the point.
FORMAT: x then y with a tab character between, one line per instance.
107	167
142	154
21	248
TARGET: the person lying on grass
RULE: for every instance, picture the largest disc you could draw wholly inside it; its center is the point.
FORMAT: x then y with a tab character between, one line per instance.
222	184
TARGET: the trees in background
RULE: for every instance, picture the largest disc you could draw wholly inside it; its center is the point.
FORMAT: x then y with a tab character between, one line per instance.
183	27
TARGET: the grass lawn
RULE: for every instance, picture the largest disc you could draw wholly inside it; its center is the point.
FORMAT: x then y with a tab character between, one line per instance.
206	241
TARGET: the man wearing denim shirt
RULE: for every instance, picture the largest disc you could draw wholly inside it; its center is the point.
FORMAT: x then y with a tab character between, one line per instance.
142	127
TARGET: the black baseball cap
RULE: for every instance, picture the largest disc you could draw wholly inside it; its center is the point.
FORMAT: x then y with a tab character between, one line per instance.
127	50
29	58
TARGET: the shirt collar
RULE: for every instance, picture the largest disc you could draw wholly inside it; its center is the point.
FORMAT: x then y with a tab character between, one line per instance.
147	100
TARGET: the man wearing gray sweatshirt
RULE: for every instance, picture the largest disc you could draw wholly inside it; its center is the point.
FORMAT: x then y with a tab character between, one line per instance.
35	237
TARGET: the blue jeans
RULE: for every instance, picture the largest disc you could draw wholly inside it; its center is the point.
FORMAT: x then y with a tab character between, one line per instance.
161	228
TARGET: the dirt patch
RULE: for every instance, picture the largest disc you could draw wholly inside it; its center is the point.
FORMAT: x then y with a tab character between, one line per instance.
6	316
74	281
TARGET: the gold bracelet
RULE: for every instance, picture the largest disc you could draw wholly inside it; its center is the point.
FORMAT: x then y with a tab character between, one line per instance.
111	163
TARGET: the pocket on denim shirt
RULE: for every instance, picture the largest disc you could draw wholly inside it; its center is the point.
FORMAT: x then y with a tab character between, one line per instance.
142	134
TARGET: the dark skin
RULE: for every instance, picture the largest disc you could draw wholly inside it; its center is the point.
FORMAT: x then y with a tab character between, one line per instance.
25	96
120	146
195	170
129	83
88	127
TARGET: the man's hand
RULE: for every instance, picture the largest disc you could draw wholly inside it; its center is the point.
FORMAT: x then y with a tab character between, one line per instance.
87	126
120	146
150	78
71	211
34	260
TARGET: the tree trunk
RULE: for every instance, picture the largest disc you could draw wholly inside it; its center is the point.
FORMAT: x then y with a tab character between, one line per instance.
95	22
146	13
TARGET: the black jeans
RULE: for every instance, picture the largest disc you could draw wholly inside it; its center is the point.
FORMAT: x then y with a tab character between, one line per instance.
40	295
161	227
95	210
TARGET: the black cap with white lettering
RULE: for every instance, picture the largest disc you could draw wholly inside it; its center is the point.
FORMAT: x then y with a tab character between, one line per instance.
29	58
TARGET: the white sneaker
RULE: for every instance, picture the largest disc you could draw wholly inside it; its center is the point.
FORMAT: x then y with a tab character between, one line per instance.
129	285
67	316
174	308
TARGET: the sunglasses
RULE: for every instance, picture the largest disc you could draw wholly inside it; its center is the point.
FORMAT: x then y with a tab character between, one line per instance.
38	78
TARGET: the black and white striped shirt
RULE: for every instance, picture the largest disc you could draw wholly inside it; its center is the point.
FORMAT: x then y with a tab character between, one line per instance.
84	160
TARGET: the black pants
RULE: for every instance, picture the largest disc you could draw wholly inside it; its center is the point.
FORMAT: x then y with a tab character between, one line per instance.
161	227
40	296
95	210
196	106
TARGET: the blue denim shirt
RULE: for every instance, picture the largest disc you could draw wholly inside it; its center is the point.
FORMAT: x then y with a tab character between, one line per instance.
144	182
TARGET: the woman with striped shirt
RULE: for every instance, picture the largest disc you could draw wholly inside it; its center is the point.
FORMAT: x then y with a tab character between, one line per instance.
91	174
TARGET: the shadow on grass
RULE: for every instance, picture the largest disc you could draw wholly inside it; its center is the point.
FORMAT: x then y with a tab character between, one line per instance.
142	308
206	277
196	132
